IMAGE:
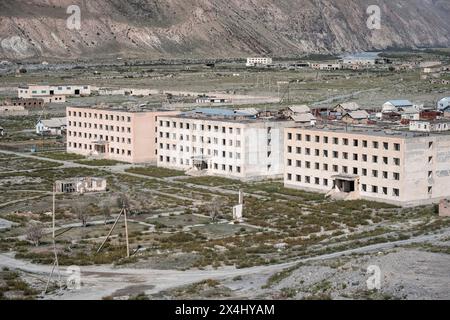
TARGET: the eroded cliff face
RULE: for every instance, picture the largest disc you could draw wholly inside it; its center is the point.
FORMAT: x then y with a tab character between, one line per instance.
215	28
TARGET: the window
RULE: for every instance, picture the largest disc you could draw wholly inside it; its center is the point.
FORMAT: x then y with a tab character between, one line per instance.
298	178
375	173
308	138
364	187
298	164
325	167
355	157
317	181
289	176
385	191
397	161
308	164
317	138
335	168
385	160
299	137
325	153
345	155
325	182
397	146
375	144
335	140
335	154
385	146
396	176
289	149
375	159
289	162
396	192
289	136
345	142
430	190
325	139
355	171
364	157
385	175
307	179
365	143
374	189
355	143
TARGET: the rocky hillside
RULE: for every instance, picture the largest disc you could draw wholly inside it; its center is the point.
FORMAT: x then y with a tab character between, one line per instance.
215	28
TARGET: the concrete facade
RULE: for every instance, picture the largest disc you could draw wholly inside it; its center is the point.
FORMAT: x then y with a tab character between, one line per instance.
246	149
429	125
122	134
53	94
260	61
401	168
80	185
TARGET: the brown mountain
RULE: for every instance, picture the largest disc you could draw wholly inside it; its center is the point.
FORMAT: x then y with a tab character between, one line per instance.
215	28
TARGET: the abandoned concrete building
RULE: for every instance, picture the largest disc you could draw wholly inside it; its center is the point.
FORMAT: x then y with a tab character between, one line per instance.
402	168
126	134
80	185
222	142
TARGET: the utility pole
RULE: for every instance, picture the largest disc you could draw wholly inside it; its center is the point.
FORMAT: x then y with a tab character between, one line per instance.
123	212
55	262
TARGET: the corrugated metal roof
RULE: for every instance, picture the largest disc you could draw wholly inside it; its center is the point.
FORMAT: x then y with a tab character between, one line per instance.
54	122
359	114
217	112
400	103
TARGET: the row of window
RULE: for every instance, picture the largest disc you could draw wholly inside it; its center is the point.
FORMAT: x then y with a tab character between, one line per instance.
200	151
85	146
201	139
215	166
100	116
343	155
99	126
344	141
100	137
201	127
344	169
326	182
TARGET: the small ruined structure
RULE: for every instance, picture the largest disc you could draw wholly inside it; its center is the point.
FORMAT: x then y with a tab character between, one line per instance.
80	185
444	208
238	209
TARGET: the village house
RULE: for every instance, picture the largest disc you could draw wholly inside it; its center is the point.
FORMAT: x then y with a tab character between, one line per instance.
356	117
396	105
345	107
53	126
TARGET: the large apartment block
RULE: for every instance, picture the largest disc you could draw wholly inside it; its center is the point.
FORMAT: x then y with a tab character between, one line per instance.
223	143
116	133
402	168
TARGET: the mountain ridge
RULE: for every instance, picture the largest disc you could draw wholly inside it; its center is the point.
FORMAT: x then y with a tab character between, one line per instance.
216	28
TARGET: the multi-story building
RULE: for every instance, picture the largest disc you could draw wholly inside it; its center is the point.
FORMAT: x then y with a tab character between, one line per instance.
260	61
222	142
117	133
56	94
402	168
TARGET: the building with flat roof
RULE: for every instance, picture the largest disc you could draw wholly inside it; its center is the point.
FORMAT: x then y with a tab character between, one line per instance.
116	133
222	142
402	168
259	61
80	185
430	125
53	94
